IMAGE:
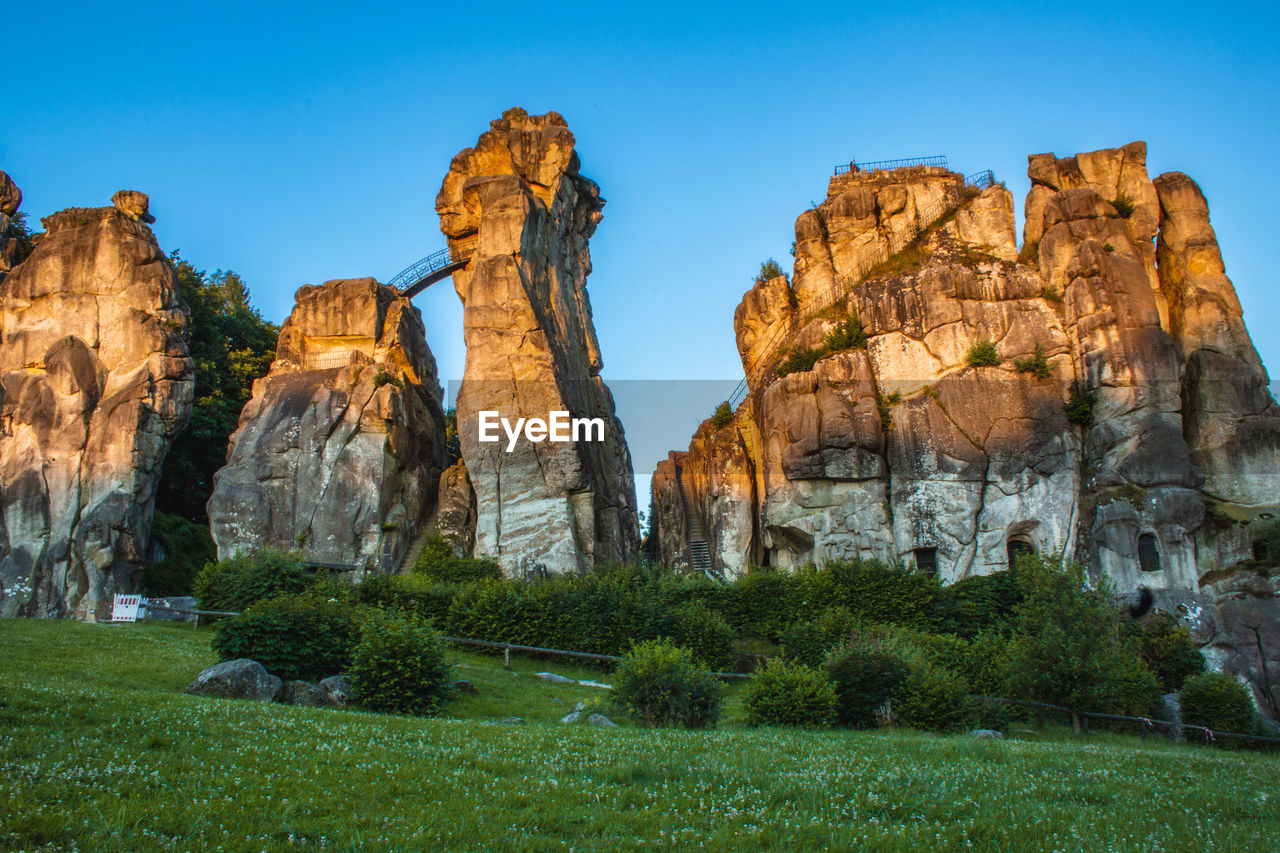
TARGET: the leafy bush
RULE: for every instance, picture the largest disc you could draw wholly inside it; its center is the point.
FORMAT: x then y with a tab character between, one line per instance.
764	606
1037	365
702	631
187	548
1166	647
460	570
871	590
1124	206
293	636
1218	702
811	641
237	582
399	667
1079	405
658	684
418	595
977	603
932	698
435	550
723	415
800	361
988	715
983	354
768	270
790	694
847	335
1066	648
1051	293
866	675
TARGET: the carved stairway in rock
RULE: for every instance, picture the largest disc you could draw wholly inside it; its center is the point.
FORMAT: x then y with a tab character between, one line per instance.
415	550
438	265
695	534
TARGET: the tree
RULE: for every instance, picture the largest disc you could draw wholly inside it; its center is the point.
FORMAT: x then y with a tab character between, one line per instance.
232	346
1067	649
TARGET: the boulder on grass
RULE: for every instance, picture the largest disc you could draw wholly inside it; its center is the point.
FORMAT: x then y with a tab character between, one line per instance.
337	688
237	679
306	694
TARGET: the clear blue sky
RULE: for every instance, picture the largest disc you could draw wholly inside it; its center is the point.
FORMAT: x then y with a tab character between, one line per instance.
296	145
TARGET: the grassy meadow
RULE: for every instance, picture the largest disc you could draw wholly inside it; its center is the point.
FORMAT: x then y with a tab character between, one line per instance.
101	750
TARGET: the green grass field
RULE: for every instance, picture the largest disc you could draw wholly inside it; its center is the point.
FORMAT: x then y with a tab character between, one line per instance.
101	750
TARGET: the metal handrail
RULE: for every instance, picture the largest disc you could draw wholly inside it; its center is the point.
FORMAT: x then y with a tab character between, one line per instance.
844	284
434	266
902	163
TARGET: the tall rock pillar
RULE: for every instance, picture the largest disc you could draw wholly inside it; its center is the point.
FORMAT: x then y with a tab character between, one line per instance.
97	384
548	506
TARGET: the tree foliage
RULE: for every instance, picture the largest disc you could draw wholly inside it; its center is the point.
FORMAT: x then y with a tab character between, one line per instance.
232	346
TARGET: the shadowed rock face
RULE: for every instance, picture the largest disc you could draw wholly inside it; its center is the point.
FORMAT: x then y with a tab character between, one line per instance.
905	445
97	383
339	452
10	199
531	350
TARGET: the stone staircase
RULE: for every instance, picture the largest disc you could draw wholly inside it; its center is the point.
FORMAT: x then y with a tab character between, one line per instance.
695	534
415	550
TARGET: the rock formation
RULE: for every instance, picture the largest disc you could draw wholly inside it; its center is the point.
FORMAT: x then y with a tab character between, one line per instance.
10	200
97	383
339	451
908	446
517	196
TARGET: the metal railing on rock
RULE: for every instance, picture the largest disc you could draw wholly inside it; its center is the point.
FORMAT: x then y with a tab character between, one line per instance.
438	265
853	166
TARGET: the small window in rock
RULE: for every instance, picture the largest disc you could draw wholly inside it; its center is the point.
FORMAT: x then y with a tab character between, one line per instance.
927	561
1017	548
1148	554
1260	551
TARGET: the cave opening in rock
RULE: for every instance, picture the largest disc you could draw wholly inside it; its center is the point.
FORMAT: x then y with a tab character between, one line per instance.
1017	548
1148	553
1260	550
927	561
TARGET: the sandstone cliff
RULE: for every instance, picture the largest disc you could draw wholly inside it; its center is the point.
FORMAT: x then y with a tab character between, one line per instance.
97	383
902	445
339	451
531	350
10	200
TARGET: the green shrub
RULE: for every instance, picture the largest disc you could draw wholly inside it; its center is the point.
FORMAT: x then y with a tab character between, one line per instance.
237	582
418	595
293	636
1167	649
847	335
800	361
810	642
459	570
768	270
983	354
977	603
1124	206
1051	293
1079	405
932	698
723	415
866	675
491	610
1066	648
187	548
871	590
789	694
398	667
983	714
702	631
658	684
1037	365
1218	702
765	602
1030	252
435	550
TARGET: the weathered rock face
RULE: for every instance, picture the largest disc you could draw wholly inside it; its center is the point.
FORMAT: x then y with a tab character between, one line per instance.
455	512
532	350
905	449
10	199
97	383
339	452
